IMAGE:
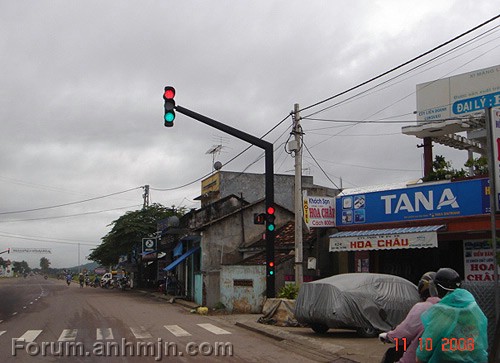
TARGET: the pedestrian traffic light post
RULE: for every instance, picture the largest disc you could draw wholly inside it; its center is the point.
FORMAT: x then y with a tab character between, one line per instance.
169	117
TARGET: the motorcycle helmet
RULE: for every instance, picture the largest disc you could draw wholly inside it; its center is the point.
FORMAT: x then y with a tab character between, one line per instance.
425	286
446	280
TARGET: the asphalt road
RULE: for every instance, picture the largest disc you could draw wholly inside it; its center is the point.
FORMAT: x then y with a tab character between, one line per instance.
46	320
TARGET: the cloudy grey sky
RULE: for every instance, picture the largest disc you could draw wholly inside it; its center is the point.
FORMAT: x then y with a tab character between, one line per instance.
81	108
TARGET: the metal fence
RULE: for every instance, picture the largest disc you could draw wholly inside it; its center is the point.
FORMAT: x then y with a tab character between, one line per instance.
484	293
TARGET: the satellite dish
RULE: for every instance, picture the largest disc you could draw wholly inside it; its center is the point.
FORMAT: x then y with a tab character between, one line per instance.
217	165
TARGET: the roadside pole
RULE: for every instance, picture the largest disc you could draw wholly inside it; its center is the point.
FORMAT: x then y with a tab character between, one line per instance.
493	169
297	131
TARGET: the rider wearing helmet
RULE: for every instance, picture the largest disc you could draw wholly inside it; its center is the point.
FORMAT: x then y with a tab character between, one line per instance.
411	328
455	329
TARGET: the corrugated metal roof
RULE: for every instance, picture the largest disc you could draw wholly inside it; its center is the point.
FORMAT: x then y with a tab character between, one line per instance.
378	232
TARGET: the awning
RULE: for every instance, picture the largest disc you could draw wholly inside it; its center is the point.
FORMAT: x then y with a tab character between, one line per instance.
182	258
385	239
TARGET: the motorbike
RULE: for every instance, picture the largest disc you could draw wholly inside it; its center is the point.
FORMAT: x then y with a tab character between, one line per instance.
68	280
124	283
393	353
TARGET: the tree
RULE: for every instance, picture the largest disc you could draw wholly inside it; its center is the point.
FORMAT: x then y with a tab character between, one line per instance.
20	267
44	264
128	231
479	166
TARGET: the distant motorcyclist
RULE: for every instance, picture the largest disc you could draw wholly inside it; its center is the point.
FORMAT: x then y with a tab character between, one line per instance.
81	279
68	279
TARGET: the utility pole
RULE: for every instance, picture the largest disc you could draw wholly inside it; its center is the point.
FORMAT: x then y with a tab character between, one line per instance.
146	197
297	153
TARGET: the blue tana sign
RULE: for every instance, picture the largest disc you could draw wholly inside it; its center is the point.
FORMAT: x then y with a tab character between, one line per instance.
456	199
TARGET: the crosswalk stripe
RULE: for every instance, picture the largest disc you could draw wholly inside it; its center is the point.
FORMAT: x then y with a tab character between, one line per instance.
3	332
104	334
177	330
140	333
213	329
67	335
30	335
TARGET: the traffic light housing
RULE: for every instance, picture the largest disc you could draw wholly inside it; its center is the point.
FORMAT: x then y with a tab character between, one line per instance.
270	217
259	218
168	96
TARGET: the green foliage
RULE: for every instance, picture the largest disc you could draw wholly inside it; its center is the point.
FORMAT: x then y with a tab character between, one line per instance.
20	267
442	169
479	166
127	232
289	291
44	264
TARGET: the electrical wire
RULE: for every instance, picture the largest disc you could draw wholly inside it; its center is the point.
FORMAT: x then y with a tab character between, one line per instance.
402	64
319	166
230	160
71	203
69	215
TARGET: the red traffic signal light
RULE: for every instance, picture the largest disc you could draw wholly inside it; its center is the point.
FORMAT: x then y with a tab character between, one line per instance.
169	93
168	96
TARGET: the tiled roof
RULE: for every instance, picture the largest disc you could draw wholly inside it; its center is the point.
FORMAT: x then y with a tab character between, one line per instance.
260	258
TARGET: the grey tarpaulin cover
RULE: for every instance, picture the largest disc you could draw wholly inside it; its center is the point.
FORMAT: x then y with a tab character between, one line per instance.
354	300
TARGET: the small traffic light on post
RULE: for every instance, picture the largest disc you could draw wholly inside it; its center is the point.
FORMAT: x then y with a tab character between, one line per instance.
259	218
168	96
270	268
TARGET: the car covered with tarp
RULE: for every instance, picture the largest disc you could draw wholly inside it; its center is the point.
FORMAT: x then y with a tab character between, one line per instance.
366	302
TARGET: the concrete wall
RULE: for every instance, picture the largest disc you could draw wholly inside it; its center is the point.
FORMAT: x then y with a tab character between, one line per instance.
243	288
221	243
252	186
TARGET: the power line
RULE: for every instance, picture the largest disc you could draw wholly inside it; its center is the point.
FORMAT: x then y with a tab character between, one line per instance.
71	203
402	65
69	215
319	166
230	160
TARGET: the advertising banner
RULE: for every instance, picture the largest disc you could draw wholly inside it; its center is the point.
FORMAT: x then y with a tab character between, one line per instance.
319	211
460	95
30	250
479	261
383	242
443	200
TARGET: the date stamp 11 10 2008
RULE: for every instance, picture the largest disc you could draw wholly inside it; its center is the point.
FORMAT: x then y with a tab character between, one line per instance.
446	344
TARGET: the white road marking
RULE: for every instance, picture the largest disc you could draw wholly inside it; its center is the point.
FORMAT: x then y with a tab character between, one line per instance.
67	335
104	334
14	313
140	333
177	331
3	332
30	335
213	329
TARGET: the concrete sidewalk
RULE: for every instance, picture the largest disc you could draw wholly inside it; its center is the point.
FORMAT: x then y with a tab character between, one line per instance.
337	345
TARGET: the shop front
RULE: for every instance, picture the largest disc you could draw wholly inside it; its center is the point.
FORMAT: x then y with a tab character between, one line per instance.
419	228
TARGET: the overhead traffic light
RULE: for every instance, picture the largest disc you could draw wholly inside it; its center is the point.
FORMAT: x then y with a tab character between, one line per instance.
168	96
270	217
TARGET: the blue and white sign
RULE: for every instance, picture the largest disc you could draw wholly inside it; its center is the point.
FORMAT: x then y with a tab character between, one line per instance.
447	200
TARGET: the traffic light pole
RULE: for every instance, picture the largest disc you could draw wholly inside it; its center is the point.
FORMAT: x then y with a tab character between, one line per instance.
269	178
